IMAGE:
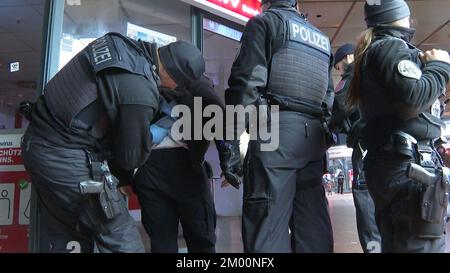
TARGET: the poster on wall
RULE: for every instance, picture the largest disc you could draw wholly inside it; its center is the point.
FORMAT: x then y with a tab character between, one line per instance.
15	192
147	35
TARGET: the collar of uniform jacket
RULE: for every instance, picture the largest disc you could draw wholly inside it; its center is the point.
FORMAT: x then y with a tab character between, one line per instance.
349	70
406	34
280	4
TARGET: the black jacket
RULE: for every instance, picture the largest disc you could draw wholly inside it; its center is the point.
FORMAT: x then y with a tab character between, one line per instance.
249	74
343	120
202	89
397	89
124	98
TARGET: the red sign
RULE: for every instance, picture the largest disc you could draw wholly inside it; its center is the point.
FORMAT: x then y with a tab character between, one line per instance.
246	8
15	191
10	156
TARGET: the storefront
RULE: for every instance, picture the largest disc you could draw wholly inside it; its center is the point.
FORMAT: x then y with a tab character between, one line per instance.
57	30
340	160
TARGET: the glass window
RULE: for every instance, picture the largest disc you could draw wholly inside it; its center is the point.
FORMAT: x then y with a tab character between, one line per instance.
162	21
220	47
20	54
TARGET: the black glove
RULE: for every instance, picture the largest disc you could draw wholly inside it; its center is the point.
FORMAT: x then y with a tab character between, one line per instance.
230	161
25	109
208	169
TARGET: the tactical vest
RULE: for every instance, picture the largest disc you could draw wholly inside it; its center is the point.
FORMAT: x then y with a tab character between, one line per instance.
299	68
74	87
384	116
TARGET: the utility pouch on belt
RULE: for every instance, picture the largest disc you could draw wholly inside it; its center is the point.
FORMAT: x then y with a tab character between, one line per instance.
106	189
434	198
404	144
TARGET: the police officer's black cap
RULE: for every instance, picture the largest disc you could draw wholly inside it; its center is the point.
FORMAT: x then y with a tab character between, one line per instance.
385	11
292	3
183	62
343	51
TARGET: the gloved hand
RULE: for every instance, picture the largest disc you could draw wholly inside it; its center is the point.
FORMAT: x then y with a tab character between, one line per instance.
208	169
230	161
25	109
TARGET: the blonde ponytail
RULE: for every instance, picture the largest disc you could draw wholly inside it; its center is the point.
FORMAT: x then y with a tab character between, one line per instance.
364	41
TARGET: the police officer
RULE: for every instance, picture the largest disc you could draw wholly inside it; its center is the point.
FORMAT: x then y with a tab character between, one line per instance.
397	88
173	186
350	123
97	108
282	188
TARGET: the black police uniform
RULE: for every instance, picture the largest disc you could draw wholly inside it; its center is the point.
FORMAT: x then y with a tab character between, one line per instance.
351	124
172	186
287	61
397	92
98	107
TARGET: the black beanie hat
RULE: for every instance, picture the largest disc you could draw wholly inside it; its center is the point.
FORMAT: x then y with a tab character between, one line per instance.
343	51
183	62
385	11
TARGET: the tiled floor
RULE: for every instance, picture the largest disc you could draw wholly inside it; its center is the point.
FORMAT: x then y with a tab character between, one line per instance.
342	213
344	228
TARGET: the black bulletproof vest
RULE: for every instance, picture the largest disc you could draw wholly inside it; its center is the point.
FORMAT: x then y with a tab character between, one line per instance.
385	115
74	87
300	66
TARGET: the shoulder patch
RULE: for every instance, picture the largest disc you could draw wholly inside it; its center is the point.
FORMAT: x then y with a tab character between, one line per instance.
436	109
340	86
102	53
409	69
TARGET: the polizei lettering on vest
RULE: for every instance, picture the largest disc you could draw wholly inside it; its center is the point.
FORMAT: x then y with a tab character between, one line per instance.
306	35
100	51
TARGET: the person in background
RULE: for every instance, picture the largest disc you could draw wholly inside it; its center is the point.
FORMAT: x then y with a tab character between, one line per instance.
350	124
340	182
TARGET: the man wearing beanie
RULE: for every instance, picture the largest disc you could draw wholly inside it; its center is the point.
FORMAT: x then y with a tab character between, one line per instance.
96	112
397	89
172	186
283	188
350	124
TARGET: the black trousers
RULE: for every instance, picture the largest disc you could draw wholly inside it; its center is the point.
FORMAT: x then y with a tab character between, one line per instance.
74	222
340	188
369	236
397	210
283	191
170	191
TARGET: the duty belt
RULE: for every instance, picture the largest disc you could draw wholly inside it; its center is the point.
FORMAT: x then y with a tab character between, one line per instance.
422	152
291	104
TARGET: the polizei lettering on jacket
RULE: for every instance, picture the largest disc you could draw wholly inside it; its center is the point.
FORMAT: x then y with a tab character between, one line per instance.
301	33
101	51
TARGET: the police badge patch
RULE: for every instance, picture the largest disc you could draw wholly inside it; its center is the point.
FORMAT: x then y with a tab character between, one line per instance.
436	109
409	69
